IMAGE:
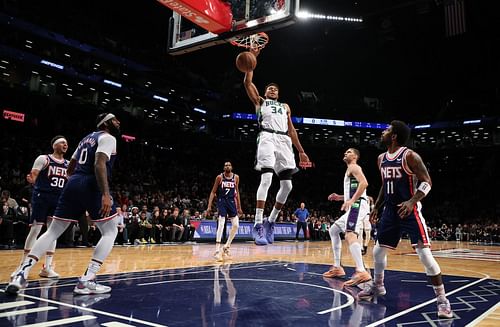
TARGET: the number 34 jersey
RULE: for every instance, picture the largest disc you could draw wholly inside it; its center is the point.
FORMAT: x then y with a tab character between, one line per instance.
86	151
273	116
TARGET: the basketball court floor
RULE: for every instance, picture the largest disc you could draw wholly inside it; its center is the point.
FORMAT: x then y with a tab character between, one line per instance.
276	285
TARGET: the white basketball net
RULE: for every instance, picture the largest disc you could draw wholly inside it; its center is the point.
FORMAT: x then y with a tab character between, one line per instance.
254	41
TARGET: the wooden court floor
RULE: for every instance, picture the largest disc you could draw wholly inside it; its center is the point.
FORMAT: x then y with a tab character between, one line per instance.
71	262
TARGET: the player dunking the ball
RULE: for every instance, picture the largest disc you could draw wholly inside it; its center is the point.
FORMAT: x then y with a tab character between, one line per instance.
87	189
405	181
274	153
228	204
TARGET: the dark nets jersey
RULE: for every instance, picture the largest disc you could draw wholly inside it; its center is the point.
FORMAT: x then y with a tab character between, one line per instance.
227	188
398	181
53	177
85	154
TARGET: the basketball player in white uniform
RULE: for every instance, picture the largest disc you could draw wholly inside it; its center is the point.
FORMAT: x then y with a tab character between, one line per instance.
274	153
356	208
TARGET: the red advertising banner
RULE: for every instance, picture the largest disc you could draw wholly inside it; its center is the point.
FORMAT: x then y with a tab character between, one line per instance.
12	115
213	15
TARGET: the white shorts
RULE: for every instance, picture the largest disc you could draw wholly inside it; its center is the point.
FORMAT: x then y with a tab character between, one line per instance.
355	221
274	151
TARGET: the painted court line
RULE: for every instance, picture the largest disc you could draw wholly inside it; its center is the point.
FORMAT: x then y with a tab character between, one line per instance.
9	305
25	311
401	313
60	322
152	275
350	299
484	315
109	314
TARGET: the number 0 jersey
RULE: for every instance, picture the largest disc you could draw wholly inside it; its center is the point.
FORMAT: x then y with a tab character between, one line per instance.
87	149
398	181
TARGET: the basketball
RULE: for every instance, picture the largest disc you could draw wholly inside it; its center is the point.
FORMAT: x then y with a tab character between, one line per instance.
246	61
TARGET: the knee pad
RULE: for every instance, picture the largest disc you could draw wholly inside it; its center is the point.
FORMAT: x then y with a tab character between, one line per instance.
285	189
431	266
265	182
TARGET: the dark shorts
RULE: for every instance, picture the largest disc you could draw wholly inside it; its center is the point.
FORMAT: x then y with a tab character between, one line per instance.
81	194
42	206
391	226
227	207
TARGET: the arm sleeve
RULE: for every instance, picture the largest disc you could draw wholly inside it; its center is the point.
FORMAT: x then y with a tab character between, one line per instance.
107	145
40	162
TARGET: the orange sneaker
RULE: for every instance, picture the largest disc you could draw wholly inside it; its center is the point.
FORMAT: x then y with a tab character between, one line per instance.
358	278
335	272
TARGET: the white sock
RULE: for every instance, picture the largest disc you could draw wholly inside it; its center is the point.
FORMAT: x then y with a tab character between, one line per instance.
48	260
217	246
259	213
274	214
355	249
92	270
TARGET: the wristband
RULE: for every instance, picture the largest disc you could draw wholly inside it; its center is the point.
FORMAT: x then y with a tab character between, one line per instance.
424	187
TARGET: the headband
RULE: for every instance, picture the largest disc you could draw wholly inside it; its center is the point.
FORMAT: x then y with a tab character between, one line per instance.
59	140
105	119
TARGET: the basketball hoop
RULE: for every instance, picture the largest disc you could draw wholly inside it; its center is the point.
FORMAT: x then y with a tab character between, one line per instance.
254	41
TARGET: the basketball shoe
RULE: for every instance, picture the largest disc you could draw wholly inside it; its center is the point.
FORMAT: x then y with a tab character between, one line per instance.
335	272
269	229
358	278
225	252
444	308
48	273
90	287
16	283
218	255
371	291
259	234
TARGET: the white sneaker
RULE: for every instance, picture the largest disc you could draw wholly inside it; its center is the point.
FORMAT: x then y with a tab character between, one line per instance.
48	273
90	287
218	255
225	252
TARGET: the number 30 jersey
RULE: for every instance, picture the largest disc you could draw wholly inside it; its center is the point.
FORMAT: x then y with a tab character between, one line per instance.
399	182
273	116
88	147
52	176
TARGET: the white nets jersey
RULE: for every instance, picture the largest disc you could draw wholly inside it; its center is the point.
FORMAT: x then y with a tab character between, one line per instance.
273	116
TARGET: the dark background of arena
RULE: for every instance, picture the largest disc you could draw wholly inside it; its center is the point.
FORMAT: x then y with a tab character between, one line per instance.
398	64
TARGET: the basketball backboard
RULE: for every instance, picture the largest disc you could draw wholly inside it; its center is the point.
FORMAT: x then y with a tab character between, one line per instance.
248	17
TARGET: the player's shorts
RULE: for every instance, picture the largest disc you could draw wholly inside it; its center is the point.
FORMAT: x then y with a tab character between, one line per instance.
352	220
274	151
227	208
391	226
43	205
81	194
